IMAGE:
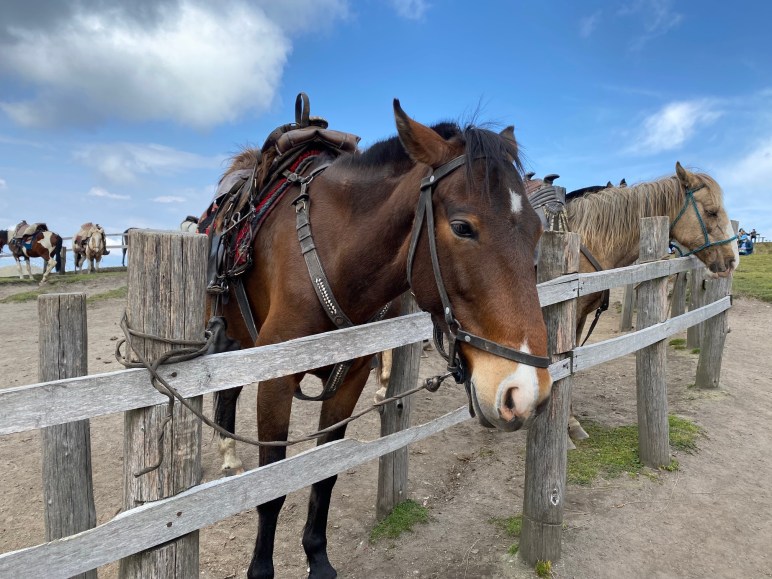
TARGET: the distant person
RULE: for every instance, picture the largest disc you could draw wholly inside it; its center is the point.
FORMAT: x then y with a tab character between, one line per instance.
753	235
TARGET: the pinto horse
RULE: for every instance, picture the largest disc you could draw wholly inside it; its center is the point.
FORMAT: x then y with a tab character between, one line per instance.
471	266
44	244
608	221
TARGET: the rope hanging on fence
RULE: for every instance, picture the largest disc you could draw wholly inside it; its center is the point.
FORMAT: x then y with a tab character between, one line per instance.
193	349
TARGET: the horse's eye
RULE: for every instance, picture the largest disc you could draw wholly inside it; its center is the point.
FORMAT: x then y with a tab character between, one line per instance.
462	228
712	213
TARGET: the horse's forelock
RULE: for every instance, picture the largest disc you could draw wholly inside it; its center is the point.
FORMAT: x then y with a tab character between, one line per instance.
246	159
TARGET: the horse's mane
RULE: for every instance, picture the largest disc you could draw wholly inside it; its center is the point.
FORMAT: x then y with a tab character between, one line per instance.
479	143
246	159
611	216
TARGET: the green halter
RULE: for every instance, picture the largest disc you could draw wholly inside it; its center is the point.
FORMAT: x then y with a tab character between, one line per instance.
689	201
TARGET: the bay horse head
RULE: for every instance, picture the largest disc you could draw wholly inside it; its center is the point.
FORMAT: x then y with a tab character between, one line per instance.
702	226
472	265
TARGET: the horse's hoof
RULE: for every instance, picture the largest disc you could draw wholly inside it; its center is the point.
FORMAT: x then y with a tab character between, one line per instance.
570	444
576	432
380	395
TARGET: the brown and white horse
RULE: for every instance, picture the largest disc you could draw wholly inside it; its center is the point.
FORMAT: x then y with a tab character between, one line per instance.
480	233
89	244
44	244
608	221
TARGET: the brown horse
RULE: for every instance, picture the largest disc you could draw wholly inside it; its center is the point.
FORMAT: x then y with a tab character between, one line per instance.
608	221
471	267
43	243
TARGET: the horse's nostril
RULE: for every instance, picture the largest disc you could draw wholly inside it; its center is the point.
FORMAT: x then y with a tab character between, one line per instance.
509	401
507	408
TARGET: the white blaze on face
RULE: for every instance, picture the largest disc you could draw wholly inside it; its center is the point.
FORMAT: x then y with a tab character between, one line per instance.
526	381
517	202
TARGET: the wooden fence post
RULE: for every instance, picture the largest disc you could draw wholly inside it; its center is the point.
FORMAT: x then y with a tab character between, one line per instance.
166	298
545	461
714	332
697	288
68	491
392	467
650	362
678	299
626	321
64	261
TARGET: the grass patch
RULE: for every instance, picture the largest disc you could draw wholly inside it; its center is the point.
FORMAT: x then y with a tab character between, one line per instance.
695	350
404	516
543	568
678	343
119	292
683	434
754	275
612	452
512	526
22	297
69	277
513	549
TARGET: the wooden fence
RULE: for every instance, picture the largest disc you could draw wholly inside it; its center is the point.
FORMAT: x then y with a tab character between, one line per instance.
71	399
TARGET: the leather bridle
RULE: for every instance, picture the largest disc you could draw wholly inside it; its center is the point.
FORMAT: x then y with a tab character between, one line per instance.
457	367
689	201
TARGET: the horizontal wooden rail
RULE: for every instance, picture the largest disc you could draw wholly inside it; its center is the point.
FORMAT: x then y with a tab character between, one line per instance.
161	521
45	404
37	405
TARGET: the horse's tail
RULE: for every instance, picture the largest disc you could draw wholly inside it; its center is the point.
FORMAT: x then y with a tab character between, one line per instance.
58	253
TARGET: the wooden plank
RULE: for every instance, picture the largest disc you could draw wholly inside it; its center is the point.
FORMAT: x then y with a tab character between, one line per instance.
626	321
37	405
68	490
166	298
157	522
393	467
560	289
633	274
678	299
651	361
697	287
715	330
593	354
545	462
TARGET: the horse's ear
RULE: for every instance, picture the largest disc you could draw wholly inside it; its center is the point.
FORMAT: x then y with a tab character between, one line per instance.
687	178
421	143
509	135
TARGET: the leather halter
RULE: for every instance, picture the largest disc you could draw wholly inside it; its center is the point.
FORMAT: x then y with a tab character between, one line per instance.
456	365
689	201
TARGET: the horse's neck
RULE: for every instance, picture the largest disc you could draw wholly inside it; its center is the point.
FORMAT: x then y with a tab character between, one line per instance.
377	235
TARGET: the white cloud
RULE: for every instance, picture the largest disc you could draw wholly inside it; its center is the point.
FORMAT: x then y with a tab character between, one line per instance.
673	125
169	199
411	9
100	192
588	24
194	63
124	162
657	16
3	184
752	172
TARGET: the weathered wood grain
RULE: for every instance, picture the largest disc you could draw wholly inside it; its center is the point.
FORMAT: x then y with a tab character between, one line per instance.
651	361
160	521
166	298
697	288
545	461
626	321
715	330
68	491
393	467
678	299
38	405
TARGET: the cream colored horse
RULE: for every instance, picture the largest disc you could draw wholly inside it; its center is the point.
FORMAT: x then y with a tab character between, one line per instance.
89	244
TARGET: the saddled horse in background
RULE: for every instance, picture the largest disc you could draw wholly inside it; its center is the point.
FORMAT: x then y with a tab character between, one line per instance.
42	243
608	221
89	244
367	212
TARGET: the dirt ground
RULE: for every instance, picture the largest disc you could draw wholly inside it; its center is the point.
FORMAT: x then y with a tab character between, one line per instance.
711	518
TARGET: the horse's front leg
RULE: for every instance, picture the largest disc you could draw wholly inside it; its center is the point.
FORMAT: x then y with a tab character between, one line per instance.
29	268
274	404
337	408
18	264
225	416
50	263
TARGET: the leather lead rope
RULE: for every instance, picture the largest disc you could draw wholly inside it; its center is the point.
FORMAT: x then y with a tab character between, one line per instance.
605	296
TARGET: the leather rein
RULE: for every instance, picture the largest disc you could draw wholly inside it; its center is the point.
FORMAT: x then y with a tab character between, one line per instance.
457	367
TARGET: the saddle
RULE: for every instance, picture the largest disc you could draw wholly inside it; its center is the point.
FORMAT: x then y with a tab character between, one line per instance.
24	231
245	197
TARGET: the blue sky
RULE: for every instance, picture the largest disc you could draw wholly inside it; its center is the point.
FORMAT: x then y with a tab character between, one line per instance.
124	112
